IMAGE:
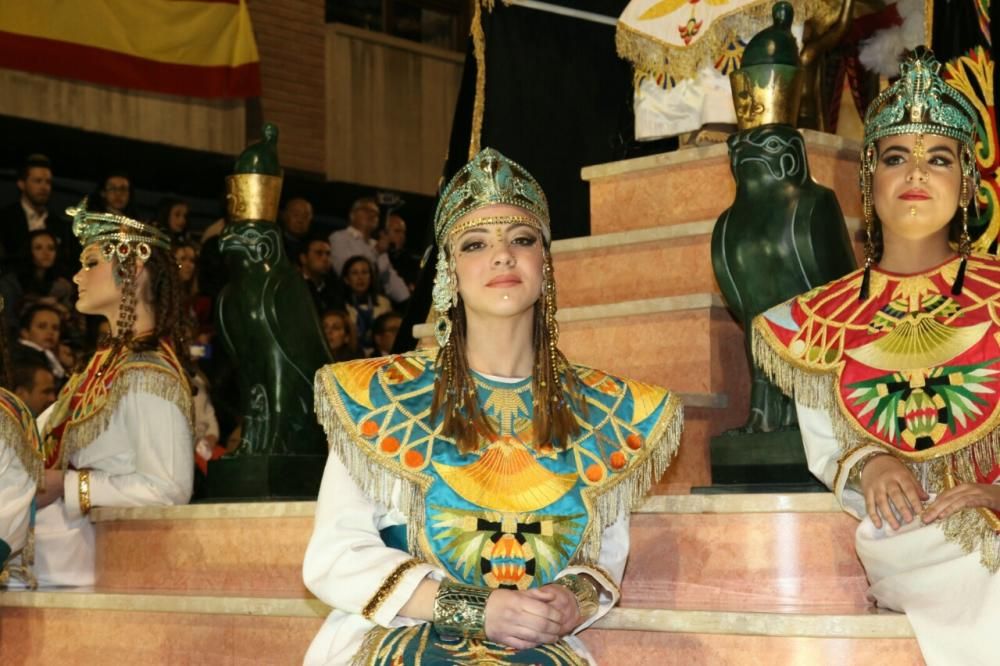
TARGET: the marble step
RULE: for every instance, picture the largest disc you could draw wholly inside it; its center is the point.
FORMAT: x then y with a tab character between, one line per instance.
696	184
780	553
98	627
647	263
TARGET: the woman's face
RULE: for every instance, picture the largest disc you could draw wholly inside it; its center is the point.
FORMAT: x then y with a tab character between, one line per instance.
98	283
359	277
499	265
335	331
916	184
185	258
178	218
43	251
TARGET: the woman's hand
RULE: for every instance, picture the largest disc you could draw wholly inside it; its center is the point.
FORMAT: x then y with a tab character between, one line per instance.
560	598
887	483
522	620
963	496
53	488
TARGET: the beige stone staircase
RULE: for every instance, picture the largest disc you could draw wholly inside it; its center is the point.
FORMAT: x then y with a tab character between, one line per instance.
712	579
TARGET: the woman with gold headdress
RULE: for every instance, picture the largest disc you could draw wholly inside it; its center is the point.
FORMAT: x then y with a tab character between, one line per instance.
896	372
475	503
120	432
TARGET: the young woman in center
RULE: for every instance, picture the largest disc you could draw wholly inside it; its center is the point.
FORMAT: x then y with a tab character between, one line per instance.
476	500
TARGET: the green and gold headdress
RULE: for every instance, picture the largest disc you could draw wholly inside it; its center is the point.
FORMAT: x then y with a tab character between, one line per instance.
921	102
119	236
488	179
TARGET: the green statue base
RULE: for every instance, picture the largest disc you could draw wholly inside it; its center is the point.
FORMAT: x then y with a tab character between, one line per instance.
277	477
766	459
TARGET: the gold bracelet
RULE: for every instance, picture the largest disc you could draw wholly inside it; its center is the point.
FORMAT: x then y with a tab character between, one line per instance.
460	610
854	475
84	476
584	591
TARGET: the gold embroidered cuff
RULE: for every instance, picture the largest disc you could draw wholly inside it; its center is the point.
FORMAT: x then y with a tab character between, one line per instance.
584	591
84	480
460	610
854	475
386	588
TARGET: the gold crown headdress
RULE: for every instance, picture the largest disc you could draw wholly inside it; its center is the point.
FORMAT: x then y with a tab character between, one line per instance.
119	236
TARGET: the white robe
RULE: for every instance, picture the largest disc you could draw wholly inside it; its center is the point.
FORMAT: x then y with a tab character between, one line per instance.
17	489
145	457
951	600
347	561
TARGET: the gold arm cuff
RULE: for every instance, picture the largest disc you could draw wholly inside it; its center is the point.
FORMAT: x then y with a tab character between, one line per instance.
854	475
460	610
84	487
584	591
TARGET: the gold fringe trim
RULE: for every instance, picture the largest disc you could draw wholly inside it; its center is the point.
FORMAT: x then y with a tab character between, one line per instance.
974	529
623	493
25	447
161	383
386	588
656	57
18	565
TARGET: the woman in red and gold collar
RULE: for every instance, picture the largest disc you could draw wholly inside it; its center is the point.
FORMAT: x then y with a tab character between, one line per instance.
896	372
120	433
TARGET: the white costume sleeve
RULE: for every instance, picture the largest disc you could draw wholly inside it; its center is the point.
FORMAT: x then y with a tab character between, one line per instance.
16	492
145	457
611	563
347	565
827	460
392	284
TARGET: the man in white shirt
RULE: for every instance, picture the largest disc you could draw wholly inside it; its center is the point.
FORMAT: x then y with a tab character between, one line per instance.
356	240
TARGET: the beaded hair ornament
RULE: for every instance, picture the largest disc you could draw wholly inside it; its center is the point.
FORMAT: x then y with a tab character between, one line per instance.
122	241
919	102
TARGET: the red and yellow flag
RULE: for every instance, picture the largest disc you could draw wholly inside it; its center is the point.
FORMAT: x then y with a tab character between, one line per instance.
198	48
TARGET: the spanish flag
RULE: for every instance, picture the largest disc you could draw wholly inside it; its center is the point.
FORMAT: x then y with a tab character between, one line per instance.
197	48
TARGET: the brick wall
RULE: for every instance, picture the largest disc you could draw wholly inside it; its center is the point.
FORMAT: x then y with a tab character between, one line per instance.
290	38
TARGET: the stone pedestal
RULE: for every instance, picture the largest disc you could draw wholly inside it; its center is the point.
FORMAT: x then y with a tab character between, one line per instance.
246	478
760	462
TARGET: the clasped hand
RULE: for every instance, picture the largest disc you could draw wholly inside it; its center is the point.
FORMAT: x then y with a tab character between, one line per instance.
890	489
524	619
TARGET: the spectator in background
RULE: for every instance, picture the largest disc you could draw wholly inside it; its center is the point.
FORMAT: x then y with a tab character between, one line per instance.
172	217
39	338
406	263
364	303
114	195
341	336
384	330
198	307
34	384
316	268
31	213
296	220
38	278
357	240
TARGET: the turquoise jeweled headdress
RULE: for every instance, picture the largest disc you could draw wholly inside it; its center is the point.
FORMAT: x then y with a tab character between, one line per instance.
489	178
119	236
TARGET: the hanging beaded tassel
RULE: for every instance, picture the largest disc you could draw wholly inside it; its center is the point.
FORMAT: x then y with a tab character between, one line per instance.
964	242
867	167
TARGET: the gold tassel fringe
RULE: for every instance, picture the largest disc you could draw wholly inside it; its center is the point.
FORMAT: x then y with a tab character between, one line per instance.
26	449
163	384
654	57
972	530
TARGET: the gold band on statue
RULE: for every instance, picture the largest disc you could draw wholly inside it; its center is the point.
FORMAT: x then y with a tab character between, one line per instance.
460	610
84	487
584	591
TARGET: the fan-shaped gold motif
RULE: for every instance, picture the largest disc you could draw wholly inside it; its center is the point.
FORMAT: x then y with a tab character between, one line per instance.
919	342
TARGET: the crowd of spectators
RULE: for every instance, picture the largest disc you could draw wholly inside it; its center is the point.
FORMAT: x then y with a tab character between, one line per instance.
360	279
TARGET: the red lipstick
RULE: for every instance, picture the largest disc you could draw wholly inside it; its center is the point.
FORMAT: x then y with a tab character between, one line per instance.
916	194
